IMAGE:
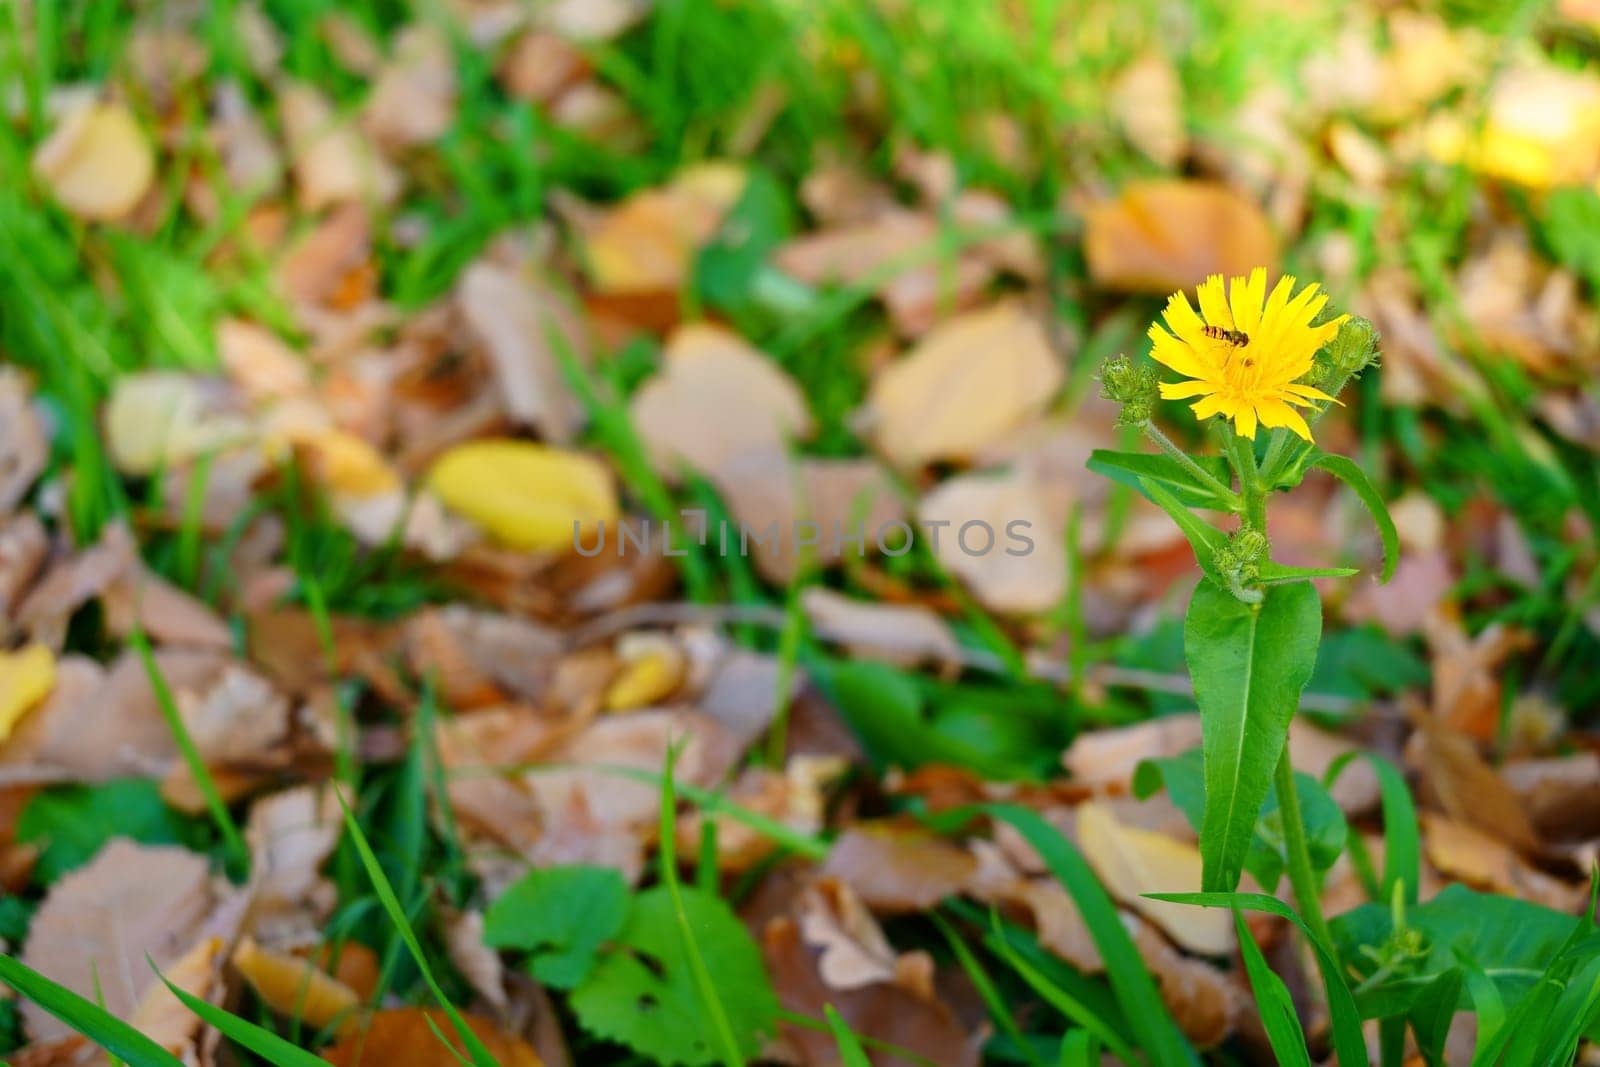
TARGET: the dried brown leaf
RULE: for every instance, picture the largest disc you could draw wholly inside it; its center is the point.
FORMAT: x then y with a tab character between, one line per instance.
1164	234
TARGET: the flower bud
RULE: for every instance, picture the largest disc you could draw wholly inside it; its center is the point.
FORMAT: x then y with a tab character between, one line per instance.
1352	350
1249	544
1134	387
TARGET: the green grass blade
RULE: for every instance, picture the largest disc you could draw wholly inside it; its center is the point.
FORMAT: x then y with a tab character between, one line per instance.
1402	849
391	904
998	1011
86	1017
243	1032
1278	1018
851	1054
238	855
1348	1041
1061	1000
1135	989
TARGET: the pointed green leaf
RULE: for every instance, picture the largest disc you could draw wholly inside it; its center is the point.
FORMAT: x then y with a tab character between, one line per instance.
1345	469
1249	663
1203	537
1132	468
1278	1018
1271	573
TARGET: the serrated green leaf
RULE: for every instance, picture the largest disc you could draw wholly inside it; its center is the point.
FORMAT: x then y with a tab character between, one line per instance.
1204	538
643	994
561	915
1346	470
1249	663
1348	1041
1278	1017
1131	468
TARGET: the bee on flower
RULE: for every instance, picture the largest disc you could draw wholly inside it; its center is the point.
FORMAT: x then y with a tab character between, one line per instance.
1245	353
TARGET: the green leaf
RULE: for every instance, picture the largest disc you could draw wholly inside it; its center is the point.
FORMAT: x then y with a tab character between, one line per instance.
1325	826
1431	1014
1184	778
1346	470
1402	850
1278	1017
1133	468
1348	1042
1271	573
1135	989
643	994
1204	538
886	710
86	1017
1511	941
1249	663
562	915
69	824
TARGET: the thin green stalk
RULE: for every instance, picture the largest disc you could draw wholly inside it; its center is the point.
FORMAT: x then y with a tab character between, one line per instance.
1166	445
1301	874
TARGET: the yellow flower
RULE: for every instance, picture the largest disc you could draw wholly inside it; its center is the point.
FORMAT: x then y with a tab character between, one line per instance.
1245	356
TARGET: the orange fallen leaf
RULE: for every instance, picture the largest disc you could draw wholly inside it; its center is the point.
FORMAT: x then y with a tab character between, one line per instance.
1166	234
647	242
409	1037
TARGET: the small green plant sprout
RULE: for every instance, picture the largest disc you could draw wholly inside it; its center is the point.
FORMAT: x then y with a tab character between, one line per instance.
1261	367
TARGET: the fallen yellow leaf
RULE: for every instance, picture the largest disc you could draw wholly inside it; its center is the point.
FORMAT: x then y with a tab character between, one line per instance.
526	495
653	667
26	677
98	164
295	987
1132	862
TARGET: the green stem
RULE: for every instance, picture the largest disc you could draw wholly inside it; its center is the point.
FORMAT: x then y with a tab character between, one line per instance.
1206	477
1251	489
1301	875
